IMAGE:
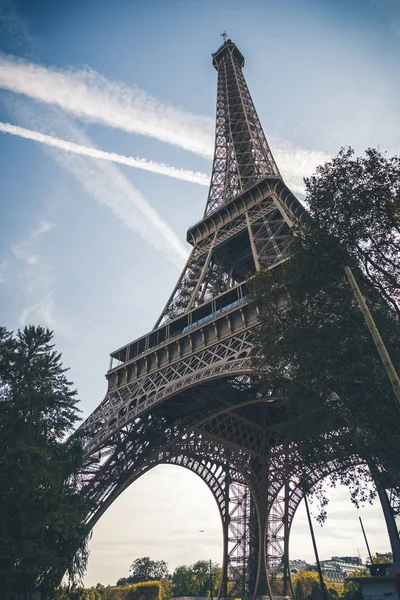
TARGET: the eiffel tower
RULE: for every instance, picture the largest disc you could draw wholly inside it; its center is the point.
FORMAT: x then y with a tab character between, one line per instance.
183	393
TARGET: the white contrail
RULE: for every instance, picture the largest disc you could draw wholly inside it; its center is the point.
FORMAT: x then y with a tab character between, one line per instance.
90	96
139	163
103	180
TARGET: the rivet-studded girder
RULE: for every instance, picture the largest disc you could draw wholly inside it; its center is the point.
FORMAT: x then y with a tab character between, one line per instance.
251	233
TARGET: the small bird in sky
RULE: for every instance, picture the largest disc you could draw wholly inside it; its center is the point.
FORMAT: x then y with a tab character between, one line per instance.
201	530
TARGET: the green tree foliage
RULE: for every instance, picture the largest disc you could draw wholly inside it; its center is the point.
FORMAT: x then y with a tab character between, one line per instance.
167	588
378	559
356	201
150	590
307	586
79	593
194	580
352	590
145	569
317	355
360	573
40	509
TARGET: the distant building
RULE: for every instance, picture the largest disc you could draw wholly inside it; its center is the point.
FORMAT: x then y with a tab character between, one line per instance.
338	568
333	574
356	560
298	565
335	570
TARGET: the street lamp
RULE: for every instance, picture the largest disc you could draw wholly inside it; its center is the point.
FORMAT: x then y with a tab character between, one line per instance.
211	572
211	581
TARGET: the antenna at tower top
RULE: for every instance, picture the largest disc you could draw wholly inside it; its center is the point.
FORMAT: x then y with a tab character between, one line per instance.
224	36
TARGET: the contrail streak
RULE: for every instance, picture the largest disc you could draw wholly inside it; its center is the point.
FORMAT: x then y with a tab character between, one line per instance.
90	96
103	180
138	163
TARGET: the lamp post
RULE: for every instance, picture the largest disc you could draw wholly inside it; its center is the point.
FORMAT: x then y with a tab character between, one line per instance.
211	572
321	579
211	581
380	346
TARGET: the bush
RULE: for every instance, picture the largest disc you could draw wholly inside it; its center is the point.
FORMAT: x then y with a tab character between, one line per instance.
147	590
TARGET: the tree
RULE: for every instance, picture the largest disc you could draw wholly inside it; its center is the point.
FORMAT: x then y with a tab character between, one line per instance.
360	573
182	580
145	569
41	512
315	351
352	590
80	593
167	588
307	586
123	581
194	580
357	202
380	559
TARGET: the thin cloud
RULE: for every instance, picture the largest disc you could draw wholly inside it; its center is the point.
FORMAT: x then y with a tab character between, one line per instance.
90	96
138	163
36	279
104	182
41	312
11	24
391	9
296	163
3	270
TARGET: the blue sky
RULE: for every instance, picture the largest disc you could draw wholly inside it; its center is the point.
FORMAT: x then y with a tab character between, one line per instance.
93	249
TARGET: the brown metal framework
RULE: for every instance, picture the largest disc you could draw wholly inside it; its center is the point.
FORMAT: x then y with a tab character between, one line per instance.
242	155
184	393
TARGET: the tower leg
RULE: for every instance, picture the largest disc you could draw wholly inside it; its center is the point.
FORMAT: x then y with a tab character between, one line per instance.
245	567
254	541
262	587
237	557
277	545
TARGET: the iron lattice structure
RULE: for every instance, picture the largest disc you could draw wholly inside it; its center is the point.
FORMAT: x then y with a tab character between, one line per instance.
184	393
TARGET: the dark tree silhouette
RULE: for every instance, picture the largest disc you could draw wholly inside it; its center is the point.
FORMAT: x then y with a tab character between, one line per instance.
317	354
41	513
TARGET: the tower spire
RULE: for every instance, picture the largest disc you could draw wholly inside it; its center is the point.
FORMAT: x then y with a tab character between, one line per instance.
249	211
242	155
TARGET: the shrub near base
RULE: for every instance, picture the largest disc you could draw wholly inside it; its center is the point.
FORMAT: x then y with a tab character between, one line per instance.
148	590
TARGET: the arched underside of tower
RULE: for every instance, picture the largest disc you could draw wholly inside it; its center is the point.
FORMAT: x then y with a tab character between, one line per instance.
229	440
